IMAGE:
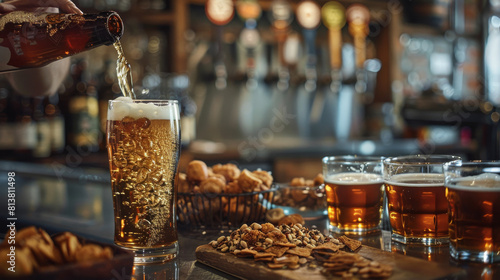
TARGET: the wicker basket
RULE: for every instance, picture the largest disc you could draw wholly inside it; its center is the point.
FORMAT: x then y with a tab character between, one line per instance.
223	211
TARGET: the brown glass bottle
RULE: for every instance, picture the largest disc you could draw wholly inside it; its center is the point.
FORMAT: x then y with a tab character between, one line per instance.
56	123
83	111
32	40
7	126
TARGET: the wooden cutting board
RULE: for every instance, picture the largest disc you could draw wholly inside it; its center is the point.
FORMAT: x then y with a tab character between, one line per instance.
405	267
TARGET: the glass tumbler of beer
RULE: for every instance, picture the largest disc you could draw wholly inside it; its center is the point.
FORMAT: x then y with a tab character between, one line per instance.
354	191
416	200
143	141
473	192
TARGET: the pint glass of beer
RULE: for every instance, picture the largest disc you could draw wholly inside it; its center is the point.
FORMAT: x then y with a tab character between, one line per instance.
418	210
143	140
473	192
354	191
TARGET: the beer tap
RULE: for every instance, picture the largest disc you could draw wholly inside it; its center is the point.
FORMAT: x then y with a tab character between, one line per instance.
220	13
249	11
309	17
281	17
358	18
350	111
251	110
334	19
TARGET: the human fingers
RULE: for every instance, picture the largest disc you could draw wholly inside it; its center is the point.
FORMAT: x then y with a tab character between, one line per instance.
6	8
68	7
65	6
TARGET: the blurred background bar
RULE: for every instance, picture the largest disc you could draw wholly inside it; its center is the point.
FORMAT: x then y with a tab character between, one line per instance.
278	85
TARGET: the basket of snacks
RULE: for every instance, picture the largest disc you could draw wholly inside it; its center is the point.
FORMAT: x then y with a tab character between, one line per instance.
222	196
302	196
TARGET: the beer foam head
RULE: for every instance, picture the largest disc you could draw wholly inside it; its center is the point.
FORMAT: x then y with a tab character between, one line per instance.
485	181
354	178
125	107
417	180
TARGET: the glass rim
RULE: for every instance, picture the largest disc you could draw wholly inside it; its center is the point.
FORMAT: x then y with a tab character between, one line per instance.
352	159
166	101
473	163
421	159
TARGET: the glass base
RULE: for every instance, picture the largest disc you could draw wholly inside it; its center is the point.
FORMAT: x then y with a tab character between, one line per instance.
354	231
474	256
155	255
427	241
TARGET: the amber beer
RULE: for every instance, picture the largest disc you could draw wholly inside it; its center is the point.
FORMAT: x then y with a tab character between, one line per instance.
354	201
143	149
417	205
474	202
416	199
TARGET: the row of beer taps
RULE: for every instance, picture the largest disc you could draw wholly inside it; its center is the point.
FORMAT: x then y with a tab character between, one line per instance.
342	100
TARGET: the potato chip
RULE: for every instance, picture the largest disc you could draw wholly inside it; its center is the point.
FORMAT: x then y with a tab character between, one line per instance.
38	251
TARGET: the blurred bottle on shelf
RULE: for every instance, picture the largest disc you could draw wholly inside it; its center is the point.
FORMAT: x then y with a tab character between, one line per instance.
25	130
30	128
83	110
491	55
465	18
7	140
56	124
33	40
43	134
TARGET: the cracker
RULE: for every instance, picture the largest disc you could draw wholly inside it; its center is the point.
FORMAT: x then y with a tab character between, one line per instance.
263	255
352	244
278	251
275	265
283	244
266	259
246	253
300	251
327	246
287	259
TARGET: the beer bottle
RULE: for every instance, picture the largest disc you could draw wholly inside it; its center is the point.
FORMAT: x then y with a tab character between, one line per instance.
56	123
7	141
42	148
83	126
25	131
32	40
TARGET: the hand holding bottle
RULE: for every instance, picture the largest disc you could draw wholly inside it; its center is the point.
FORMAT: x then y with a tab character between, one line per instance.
45	80
63	6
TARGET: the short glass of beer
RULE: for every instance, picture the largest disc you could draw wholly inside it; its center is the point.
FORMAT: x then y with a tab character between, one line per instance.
143	141
354	191
418	210
473	192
